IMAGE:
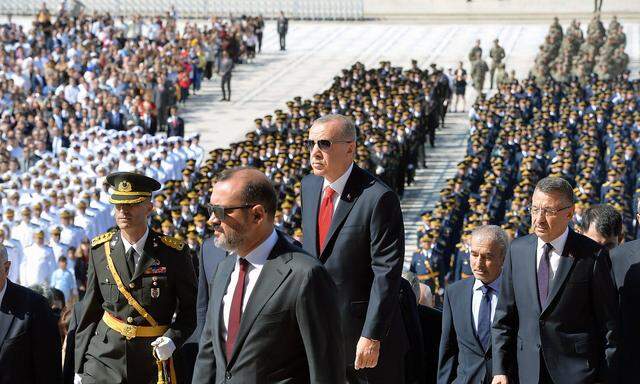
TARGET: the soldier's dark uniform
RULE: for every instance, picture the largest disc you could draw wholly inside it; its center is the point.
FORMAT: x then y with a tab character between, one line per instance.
163	283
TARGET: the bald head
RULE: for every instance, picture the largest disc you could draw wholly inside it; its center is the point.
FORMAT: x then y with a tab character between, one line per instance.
252	187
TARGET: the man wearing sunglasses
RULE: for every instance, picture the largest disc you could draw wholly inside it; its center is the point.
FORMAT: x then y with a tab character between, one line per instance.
352	223
141	294
272	313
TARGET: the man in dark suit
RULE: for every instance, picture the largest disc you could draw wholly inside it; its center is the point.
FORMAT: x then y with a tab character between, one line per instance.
30	347
468	310
208	259
352	222
283	28
272	314
558	305
625	261
175	123
603	224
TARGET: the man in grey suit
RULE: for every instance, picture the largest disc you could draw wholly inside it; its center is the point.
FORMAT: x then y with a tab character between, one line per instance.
272	314
558	305
468	310
352	222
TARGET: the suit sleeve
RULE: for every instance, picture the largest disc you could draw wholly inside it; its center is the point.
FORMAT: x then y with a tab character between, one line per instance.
204	370
505	323
90	316
448	353
318	321
202	300
387	256
47	346
605	306
185	321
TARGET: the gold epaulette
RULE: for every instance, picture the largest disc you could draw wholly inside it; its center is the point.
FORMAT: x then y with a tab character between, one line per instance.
172	242
100	239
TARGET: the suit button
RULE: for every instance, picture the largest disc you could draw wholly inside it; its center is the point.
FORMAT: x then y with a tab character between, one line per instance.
132	285
129	319
227	375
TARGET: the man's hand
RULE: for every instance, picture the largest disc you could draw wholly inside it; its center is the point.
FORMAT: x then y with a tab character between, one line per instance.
164	347
77	379
500	379
367	353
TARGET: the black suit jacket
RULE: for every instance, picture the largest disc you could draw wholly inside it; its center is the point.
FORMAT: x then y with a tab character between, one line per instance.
625	260
68	368
462	359
575	332
364	253
30	346
431	324
289	332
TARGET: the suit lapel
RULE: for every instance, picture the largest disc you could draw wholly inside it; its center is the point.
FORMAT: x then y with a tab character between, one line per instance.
6	315
145	259
567	260
313	204
273	273
347	200
467	307
118	256
217	291
531	272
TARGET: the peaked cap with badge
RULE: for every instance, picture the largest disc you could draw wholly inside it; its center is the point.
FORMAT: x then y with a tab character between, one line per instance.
130	187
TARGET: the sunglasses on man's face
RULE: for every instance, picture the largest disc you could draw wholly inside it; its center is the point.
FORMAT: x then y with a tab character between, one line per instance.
324	145
220	212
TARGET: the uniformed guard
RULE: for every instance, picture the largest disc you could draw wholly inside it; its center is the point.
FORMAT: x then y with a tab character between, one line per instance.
137	281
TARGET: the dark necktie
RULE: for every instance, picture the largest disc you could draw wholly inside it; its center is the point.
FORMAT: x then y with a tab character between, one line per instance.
131	261
236	308
484	318
324	217
543	275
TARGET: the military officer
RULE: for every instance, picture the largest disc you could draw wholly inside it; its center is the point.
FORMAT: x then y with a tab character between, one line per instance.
496	54
425	264
140	300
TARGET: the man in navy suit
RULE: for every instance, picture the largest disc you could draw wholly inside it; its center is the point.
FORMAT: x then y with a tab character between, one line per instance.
468	310
352	222
557	309
30	347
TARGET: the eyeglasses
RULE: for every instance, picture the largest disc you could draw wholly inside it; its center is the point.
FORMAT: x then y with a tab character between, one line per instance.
547	211
221	212
324	145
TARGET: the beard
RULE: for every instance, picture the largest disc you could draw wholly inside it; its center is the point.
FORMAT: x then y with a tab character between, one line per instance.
229	240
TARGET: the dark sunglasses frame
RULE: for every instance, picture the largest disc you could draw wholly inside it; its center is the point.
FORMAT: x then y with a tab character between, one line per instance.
220	212
324	145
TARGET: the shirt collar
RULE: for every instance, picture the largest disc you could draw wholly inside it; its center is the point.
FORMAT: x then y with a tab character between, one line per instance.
139	245
260	254
339	184
557	243
4	289
495	284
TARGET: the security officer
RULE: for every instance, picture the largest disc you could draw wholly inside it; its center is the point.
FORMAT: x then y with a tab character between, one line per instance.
137	281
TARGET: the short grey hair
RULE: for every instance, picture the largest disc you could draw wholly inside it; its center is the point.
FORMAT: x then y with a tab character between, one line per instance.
494	234
347	128
556	185
4	255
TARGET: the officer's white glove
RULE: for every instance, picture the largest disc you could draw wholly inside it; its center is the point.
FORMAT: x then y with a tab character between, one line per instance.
77	379
163	347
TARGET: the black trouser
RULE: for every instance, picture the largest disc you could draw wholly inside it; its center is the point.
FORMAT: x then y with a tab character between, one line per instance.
282	41
208	70
259	36
226	80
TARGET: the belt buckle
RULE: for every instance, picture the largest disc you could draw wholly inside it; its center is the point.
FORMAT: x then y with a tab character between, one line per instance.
129	332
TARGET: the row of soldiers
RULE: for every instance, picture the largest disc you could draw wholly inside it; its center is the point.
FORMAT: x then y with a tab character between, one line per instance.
568	54
587	134
479	67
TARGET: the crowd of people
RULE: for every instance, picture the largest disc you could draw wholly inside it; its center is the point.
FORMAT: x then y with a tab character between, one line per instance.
85	95
587	133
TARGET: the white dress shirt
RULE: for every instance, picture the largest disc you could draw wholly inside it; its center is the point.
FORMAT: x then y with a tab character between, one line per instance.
476	299
138	246
555	254
256	258
337	186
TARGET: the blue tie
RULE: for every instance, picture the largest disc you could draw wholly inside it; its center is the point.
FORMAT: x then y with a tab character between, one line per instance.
484	318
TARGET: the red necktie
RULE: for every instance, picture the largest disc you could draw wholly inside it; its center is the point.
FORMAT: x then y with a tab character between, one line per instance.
236	308
324	217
